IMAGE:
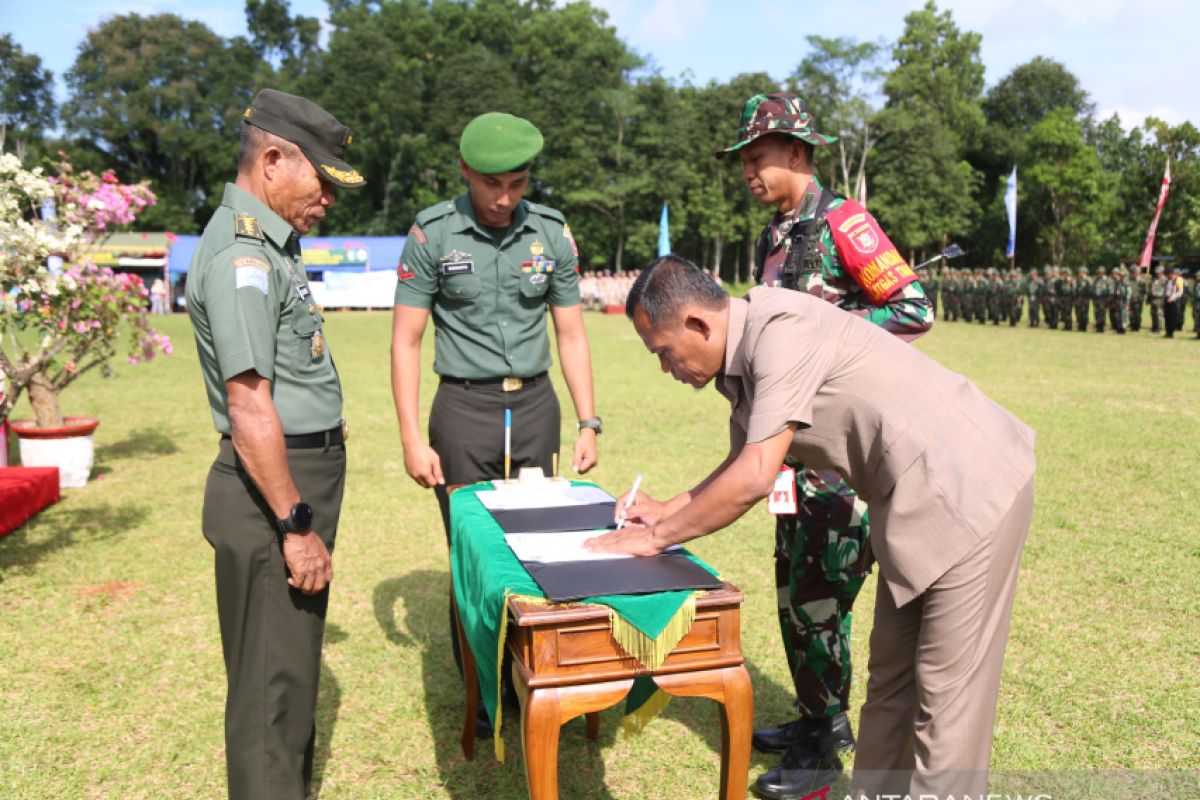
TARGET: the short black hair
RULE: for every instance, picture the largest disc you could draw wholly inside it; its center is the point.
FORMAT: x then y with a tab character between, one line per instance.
670	282
255	140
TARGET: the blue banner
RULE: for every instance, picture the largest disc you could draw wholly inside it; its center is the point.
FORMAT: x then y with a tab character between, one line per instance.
664	234
1010	202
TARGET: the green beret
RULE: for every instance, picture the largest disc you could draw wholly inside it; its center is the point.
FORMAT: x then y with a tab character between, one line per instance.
493	143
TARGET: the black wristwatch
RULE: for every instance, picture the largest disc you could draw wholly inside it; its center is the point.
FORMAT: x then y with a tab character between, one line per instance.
593	423
298	521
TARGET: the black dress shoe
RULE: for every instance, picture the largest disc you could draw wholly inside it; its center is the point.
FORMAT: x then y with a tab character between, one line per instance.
807	766
779	739
483	725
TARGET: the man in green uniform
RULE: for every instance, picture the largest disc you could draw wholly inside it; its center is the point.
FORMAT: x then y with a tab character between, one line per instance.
1035	289
950	294
1137	281
1066	297
822	244
1083	298
487	266
1158	295
274	493
1102	291
1013	284
1119	302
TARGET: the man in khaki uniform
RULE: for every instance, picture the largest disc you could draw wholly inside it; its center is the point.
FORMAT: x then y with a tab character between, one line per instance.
947	475
274	493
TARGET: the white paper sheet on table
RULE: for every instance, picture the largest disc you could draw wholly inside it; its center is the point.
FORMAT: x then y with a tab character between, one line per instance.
549	548
514	498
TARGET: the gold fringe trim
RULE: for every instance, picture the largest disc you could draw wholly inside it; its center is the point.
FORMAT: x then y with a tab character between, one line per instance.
497	739
635	723
653	652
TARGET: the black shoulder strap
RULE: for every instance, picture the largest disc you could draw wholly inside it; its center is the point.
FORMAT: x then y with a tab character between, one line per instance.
801	235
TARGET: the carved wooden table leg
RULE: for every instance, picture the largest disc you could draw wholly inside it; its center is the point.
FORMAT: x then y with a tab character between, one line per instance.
471	686
731	688
543	712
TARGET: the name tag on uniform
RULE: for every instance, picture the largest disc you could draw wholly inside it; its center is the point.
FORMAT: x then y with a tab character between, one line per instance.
457	263
782	499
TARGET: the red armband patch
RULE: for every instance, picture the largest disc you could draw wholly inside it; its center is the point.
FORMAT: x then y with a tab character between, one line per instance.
867	253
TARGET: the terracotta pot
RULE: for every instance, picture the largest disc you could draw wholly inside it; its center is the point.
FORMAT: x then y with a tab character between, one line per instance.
70	448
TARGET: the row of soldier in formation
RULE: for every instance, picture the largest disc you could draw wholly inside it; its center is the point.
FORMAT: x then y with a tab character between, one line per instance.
1066	299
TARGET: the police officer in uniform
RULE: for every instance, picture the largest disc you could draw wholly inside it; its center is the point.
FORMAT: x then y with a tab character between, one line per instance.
274	493
486	266
1158	294
822	244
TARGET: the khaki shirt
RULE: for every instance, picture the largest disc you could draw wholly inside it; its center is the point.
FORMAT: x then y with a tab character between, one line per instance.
938	462
251	309
489	297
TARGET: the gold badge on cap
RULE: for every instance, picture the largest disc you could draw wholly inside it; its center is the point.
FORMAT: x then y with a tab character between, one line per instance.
537	248
318	345
350	176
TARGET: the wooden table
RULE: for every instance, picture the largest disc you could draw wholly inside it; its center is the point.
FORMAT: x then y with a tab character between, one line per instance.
566	663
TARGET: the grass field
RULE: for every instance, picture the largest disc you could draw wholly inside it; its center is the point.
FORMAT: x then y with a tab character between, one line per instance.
112	681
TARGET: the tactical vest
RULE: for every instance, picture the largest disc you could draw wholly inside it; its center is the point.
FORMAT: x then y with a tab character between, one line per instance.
801	259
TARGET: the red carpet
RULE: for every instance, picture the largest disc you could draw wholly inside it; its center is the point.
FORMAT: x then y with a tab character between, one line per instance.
24	491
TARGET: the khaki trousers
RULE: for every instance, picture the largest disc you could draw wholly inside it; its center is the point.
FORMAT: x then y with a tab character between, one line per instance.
934	673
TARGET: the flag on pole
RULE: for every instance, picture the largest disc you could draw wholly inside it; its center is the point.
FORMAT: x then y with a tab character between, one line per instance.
1148	250
664	234
1010	202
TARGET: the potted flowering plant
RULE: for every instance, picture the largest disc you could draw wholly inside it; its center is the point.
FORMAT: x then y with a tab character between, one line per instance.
60	315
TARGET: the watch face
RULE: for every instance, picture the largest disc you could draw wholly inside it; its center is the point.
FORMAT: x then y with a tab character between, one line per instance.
302	516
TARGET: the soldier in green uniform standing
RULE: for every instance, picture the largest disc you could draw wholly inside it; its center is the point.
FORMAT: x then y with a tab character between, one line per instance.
1013	283
1102	291
1050	309
274	493
1119	303
828	246
1083	298
1066	297
1137	282
966	293
487	266
1158	296
1035	290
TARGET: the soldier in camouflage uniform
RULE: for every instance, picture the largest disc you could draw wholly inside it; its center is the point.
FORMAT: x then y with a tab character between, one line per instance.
1102	291
1118	308
999	305
983	296
1066	297
1050	308
1158	296
1035	289
950	295
1083	298
825	245
1138	282
967	294
1014	298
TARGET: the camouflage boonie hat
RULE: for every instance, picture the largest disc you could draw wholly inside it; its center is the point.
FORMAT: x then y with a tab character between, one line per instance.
765	114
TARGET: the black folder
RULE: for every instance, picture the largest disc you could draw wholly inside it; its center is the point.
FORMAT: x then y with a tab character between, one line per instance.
593	516
575	580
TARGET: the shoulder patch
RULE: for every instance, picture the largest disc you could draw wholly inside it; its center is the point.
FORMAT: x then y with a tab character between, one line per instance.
246	225
567	235
418	234
866	252
250	271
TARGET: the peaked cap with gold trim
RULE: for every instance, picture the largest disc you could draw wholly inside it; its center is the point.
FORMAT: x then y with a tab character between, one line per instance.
314	130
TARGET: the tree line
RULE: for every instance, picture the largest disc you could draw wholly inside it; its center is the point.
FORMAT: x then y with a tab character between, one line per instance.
161	98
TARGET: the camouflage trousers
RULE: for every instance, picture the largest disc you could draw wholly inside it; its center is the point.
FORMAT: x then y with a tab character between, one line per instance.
821	561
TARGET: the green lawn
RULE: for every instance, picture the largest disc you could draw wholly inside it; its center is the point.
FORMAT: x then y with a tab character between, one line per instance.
110	660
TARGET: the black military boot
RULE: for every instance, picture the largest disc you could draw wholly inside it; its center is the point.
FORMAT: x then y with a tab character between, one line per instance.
779	739
810	763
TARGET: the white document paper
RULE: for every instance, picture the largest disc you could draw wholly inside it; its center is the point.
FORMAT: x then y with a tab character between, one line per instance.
544	495
555	547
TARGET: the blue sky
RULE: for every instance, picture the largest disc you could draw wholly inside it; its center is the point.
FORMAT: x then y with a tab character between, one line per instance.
1133	56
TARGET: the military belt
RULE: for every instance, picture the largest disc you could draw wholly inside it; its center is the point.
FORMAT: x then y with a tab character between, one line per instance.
510	384
308	441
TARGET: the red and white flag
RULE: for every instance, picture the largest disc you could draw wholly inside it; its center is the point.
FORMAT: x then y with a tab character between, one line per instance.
1148	250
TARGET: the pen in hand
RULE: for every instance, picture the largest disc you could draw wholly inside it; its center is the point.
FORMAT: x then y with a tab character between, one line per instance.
629	501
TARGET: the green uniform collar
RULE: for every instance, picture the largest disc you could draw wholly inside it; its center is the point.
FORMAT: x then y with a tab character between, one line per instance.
276	228
468	221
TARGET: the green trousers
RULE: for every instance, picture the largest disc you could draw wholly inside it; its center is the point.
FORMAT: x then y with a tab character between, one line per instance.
271	634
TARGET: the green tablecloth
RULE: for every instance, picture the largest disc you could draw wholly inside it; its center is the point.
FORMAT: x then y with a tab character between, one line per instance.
486	573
